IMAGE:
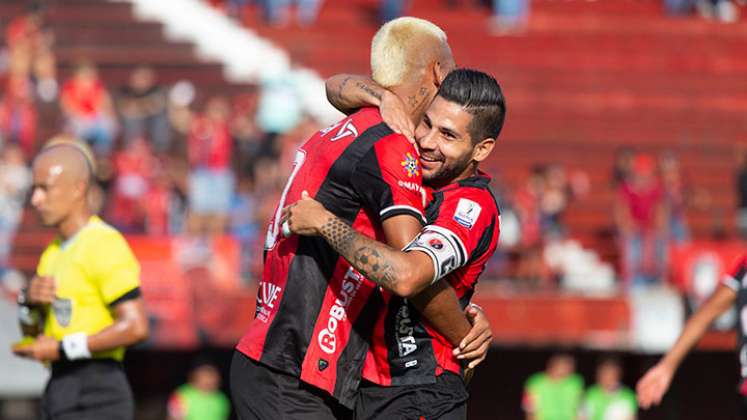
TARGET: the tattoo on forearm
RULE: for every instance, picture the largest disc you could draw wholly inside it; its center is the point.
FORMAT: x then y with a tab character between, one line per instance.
368	89
342	86
365	254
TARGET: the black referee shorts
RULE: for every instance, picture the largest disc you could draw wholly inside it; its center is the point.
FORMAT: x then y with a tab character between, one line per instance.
88	390
259	392
444	400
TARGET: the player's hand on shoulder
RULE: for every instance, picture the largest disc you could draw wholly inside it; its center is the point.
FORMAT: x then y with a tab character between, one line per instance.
41	290
304	217
43	349
395	116
475	345
654	384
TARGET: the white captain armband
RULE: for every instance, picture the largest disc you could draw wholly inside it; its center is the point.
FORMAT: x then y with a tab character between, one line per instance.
75	346
443	246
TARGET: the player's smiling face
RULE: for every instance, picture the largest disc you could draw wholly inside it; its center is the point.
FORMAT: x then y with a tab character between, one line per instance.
445	143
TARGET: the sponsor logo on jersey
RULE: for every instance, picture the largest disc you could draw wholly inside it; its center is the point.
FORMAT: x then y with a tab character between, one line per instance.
267	295
327	130
347	129
405	331
416	188
467	212
338	312
410	165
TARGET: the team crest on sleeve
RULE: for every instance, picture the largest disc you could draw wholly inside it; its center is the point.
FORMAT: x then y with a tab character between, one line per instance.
410	165
467	212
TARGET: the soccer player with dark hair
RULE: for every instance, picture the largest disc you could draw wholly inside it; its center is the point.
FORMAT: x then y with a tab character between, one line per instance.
303	354
732	291
411	370
83	306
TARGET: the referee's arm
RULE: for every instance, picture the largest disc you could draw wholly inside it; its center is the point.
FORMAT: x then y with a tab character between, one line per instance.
130	327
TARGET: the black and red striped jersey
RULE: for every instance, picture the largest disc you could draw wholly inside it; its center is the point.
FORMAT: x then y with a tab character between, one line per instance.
461	235
736	279
314	311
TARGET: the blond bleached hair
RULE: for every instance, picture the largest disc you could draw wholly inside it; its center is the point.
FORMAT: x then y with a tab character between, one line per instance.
392	48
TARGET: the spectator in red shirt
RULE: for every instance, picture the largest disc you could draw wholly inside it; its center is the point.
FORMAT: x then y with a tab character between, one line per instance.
134	167
88	109
18	112
640	215
211	180
30	46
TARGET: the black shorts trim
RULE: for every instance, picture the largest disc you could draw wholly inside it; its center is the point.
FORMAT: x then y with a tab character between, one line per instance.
444	400
260	392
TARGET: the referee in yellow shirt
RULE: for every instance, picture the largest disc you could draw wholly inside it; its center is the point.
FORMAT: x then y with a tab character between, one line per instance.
83	307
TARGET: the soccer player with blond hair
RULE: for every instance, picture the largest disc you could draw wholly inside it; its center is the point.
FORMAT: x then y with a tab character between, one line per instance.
302	356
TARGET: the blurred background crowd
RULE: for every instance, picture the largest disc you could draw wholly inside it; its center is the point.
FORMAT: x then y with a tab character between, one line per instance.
182	153
170	164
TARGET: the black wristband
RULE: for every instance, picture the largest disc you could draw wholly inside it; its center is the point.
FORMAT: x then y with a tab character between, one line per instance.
63	355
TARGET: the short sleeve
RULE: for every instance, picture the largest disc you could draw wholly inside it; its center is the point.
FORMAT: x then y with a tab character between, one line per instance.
43	268
467	224
113	266
529	398
733	278
388	179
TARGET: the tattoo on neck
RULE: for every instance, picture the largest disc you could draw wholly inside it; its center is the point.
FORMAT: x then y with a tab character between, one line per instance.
362	252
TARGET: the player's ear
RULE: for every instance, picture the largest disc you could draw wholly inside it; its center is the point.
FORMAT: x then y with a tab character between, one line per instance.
482	149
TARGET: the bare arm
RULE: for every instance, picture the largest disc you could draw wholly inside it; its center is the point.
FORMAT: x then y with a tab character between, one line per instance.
402	273
130	327
438	304
406	274
348	92
696	326
655	383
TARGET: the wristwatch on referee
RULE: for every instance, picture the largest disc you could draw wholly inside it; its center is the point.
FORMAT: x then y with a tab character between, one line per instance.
28	314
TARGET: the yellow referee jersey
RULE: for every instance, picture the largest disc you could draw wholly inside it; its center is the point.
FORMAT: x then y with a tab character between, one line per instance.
92	270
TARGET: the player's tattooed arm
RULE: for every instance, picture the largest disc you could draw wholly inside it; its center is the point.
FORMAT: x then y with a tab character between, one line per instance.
348	92
402	273
370	258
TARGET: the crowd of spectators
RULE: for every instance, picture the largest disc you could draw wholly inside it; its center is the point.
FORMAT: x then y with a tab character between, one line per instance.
168	162
507	17
172	163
